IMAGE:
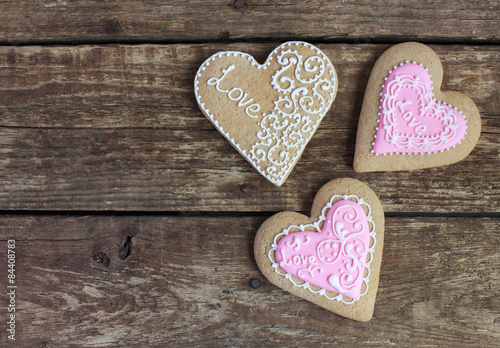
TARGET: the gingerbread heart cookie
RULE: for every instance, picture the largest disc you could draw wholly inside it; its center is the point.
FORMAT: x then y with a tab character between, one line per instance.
331	258
406	121
269	111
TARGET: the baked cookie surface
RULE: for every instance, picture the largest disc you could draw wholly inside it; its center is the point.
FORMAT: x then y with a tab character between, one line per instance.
269	111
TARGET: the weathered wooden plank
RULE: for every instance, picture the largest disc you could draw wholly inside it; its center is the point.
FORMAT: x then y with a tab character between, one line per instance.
176	171
209	20
152	85
117	128
186	282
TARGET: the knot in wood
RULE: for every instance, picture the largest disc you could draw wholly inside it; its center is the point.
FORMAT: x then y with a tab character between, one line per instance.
101	258
112	26
246	188
124	251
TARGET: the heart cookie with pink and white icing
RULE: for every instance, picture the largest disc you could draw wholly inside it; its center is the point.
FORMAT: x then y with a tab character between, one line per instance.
406	121
331	258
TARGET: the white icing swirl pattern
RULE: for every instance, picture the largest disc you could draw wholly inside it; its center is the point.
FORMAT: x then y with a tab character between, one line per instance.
425	95
420	137
282	131
306	85
342	283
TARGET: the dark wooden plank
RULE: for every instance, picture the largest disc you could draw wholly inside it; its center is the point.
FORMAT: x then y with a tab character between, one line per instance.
186	282
80	20
117	128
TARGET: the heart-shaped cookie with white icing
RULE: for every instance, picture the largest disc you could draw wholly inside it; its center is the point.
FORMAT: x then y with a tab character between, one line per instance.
269	111
331	258
406	121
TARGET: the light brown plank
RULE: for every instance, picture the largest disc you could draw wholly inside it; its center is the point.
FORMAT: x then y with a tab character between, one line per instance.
117	128
186	282
222	19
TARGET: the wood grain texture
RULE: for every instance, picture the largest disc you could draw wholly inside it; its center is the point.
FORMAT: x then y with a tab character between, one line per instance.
117	128
96	127
186	283
46	20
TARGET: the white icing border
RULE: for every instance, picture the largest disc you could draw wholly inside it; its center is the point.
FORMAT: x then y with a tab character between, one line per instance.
287	168
433	99
315	225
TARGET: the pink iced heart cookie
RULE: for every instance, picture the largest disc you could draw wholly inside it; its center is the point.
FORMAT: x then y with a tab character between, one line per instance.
405	113
411	120
333	258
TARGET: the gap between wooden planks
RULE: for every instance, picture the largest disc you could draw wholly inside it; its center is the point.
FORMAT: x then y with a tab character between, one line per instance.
186	281
117	128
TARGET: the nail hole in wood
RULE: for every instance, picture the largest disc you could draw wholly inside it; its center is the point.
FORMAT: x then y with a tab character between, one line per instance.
240	4
254	283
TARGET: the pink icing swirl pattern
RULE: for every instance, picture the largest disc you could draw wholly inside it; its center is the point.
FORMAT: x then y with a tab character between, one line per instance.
332	258
411	121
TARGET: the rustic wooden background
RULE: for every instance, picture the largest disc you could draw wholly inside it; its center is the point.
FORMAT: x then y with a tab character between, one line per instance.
103	151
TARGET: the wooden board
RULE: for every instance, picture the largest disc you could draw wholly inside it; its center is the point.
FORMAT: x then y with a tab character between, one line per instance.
186	282
117	128
28	21
108	126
